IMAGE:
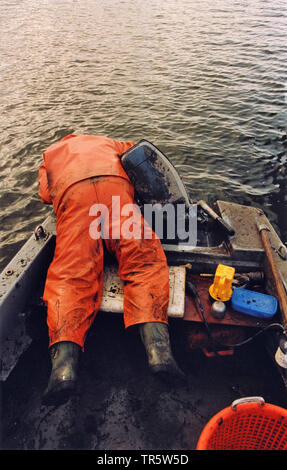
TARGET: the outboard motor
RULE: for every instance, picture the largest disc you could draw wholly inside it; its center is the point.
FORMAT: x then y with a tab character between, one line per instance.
157	184
153	176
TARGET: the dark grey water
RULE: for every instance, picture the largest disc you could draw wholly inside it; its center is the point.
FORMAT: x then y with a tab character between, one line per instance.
204	80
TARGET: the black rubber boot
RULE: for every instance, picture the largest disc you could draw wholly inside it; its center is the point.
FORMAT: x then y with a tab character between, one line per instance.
63	379
155	337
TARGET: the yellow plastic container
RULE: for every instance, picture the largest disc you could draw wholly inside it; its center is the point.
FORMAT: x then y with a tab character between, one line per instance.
221	289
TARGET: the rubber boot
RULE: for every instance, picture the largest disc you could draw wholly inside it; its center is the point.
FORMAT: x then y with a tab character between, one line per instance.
155	337
63	379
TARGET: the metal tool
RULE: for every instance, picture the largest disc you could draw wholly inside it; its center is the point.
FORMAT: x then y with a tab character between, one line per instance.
216	217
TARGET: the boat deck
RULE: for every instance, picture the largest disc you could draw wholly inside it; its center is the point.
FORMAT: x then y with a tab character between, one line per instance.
119	406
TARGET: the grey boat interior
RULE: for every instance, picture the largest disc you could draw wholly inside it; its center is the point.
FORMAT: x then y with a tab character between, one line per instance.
119	406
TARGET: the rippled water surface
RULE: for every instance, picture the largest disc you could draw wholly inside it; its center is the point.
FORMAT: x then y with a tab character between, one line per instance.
204	80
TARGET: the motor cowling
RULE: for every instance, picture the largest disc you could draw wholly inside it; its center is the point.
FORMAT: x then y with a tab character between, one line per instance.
153	176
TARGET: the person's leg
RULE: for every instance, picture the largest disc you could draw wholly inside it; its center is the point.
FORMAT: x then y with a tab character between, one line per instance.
144	271
64	374
73	288
155	337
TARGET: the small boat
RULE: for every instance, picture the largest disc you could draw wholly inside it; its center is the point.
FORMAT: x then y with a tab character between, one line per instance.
229	235
23	279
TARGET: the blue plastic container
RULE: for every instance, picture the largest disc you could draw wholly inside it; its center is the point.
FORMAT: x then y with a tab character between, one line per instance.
254	303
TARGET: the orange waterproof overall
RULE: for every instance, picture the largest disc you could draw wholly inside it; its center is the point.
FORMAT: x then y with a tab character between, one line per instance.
79	173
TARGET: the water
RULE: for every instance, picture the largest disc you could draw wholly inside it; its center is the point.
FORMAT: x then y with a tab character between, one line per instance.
203	80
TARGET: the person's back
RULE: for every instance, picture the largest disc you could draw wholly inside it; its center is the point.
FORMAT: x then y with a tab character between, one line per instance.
75	158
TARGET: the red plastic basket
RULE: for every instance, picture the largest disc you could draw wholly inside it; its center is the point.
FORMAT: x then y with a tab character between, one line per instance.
248	424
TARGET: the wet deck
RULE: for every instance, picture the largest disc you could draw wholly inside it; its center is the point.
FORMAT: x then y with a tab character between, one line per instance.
119	406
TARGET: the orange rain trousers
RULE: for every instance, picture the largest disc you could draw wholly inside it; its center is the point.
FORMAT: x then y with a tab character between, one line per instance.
75	277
